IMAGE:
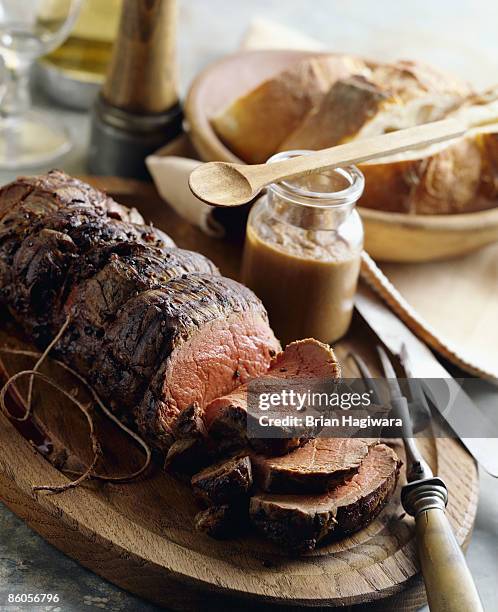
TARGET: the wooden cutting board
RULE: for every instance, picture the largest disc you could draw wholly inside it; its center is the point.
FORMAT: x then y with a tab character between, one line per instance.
140	536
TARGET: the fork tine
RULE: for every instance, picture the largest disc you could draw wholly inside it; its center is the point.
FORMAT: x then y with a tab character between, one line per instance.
367	376
415	387
389	373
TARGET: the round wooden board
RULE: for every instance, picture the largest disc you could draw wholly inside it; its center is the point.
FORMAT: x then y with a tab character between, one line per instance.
140	536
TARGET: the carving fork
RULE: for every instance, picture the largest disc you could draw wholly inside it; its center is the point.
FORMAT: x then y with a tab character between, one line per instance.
448	581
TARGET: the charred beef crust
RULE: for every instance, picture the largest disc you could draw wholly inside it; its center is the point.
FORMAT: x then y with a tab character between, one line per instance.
191	451
190	423
125	272
225	483
48	226
229	431
222	522
41	195
186	456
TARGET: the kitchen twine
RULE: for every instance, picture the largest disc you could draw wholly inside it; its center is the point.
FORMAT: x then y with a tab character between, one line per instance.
27	403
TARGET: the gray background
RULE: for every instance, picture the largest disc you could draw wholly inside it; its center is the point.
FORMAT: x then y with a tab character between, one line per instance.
455	35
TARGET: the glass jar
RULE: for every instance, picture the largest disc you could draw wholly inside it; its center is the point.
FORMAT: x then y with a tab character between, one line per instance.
303	251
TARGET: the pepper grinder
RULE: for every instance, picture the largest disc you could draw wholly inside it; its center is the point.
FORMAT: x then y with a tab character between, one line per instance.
137	110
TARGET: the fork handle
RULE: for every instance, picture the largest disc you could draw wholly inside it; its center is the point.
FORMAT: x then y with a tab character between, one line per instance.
448	581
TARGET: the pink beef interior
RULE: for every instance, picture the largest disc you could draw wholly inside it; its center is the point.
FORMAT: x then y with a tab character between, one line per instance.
301	359
227	353
377	466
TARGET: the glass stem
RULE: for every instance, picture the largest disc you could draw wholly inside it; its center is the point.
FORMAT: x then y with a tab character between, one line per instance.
17	98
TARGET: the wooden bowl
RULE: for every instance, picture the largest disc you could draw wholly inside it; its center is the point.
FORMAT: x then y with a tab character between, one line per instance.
394	237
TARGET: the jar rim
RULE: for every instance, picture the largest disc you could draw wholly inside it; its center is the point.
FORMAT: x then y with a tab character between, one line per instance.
305	197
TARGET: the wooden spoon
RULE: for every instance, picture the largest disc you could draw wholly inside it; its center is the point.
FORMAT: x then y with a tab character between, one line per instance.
230	184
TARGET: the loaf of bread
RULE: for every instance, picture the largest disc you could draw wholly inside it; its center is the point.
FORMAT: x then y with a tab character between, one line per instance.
254	125
356	99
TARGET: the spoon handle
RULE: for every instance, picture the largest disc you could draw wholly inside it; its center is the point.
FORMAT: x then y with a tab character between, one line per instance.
360	150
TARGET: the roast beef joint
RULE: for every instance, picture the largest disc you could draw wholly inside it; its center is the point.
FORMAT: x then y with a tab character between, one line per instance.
169	344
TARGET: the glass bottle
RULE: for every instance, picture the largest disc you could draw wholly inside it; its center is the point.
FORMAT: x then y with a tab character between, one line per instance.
86	53
303	251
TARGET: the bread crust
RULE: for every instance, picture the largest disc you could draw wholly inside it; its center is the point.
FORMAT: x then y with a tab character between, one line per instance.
255	124
344	110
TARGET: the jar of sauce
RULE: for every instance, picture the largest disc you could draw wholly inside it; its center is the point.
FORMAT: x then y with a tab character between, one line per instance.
303	251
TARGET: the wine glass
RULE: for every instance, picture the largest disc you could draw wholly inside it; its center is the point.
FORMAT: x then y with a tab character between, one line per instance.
29	29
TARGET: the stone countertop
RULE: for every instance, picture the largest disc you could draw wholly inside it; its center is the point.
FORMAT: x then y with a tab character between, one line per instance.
454	35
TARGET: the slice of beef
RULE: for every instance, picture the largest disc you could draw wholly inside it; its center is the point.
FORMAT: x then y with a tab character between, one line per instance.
190	452
185	457
316	467
226	417
300	522
221	522
227	482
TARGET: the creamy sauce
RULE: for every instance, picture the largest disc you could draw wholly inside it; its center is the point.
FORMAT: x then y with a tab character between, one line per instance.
306	279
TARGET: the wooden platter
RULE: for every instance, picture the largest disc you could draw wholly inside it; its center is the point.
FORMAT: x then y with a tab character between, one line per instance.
389	236
140	535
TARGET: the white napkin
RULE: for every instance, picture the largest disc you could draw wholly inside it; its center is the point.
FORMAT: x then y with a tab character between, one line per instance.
170	175
170	171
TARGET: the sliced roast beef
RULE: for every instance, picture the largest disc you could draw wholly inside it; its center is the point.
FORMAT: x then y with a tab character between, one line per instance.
316	467
191	451
300	522
224	488
171	345
227	482
226	417
185	457
222	522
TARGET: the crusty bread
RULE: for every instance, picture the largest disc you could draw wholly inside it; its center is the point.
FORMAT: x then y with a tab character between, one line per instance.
318	104
408	80
457	177
254	125
344	110
438	180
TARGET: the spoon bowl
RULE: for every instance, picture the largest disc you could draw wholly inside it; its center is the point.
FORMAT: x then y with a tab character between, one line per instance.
221	184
